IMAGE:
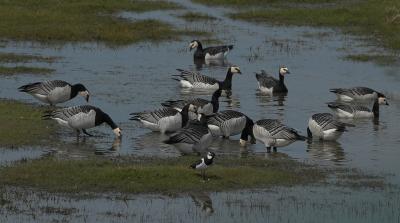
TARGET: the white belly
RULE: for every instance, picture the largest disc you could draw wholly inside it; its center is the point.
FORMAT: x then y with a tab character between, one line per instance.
265	90
170	123
217	56
342	97
205	86
331	134
186	84
42	98
215	130
233	126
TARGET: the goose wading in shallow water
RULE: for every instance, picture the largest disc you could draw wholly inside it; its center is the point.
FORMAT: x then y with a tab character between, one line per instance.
343	110
55	91
81	118
268	84
229	123
274	134
324	126
209	53
356	93
204	106
204	163
164	119
195	137
196	80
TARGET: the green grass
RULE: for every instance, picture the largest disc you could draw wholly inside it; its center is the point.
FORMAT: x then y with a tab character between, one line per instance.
4	70
244	3
25	58
194	16
156	176
81	21
379	59
377	19
21	125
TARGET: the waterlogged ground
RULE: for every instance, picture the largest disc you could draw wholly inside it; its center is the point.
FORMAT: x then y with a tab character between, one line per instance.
137	77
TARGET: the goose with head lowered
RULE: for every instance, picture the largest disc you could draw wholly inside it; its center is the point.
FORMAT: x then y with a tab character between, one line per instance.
164	119
80	118
356	93
55	91
268	84
195	137
274	134
229	123
324	126
209	53
189	79
204	106
344	110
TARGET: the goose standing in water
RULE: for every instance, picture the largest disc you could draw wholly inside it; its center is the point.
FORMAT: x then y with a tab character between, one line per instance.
204	106
229	123
343	110
198	81
55	91
274	134
195	137
209	53
81	118
324	126
356	93
164	119
268	84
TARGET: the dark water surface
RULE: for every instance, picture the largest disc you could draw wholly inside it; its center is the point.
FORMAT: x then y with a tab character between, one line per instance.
138	77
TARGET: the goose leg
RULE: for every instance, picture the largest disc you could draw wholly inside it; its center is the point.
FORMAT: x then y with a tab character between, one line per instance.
78	132
268	149
86	133
203	173
274	148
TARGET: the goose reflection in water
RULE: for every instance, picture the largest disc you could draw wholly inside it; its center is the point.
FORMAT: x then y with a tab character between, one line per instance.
110	151
277	99
326	150
199	63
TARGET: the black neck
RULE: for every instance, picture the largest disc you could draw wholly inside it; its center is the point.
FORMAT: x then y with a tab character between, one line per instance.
248	130
375	108
208	161
199	46
227	83
309	134
74	91
214	100
282	82
102	117
185	115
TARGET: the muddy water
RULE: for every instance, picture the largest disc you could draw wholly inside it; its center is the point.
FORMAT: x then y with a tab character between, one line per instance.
138	77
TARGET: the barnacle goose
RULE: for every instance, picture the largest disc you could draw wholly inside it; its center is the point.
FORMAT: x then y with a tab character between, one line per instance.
81	118
324	126
356	93
204	163
274	134
204	106
269	84
195	137
196	80
343	110
229	123
209	53
55	91
164	119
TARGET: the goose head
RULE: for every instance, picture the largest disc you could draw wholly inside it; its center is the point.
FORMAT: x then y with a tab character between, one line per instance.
235	70
382	101
194	44
117	131
210	155
283	70
82	91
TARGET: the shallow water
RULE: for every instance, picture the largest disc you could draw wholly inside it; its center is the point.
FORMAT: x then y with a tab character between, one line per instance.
138	77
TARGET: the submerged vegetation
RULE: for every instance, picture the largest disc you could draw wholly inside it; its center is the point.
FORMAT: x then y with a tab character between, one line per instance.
81	21
374	18
156	176
24	58
21	124
24	70
379	59
194	16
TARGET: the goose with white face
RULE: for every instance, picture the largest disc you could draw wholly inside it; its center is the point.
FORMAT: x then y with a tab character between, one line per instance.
193	45
283	70
235	70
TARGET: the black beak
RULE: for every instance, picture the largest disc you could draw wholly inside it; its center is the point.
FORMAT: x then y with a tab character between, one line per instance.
87	98
387	103
239	72
288	72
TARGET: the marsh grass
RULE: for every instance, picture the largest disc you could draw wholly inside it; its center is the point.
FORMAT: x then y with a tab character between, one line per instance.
170	176
194	16
21	125
25	58
379	59
378	19
82	21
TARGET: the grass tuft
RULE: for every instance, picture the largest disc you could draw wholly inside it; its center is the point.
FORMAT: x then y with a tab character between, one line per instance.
21	124
194	16
25	58
156	176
